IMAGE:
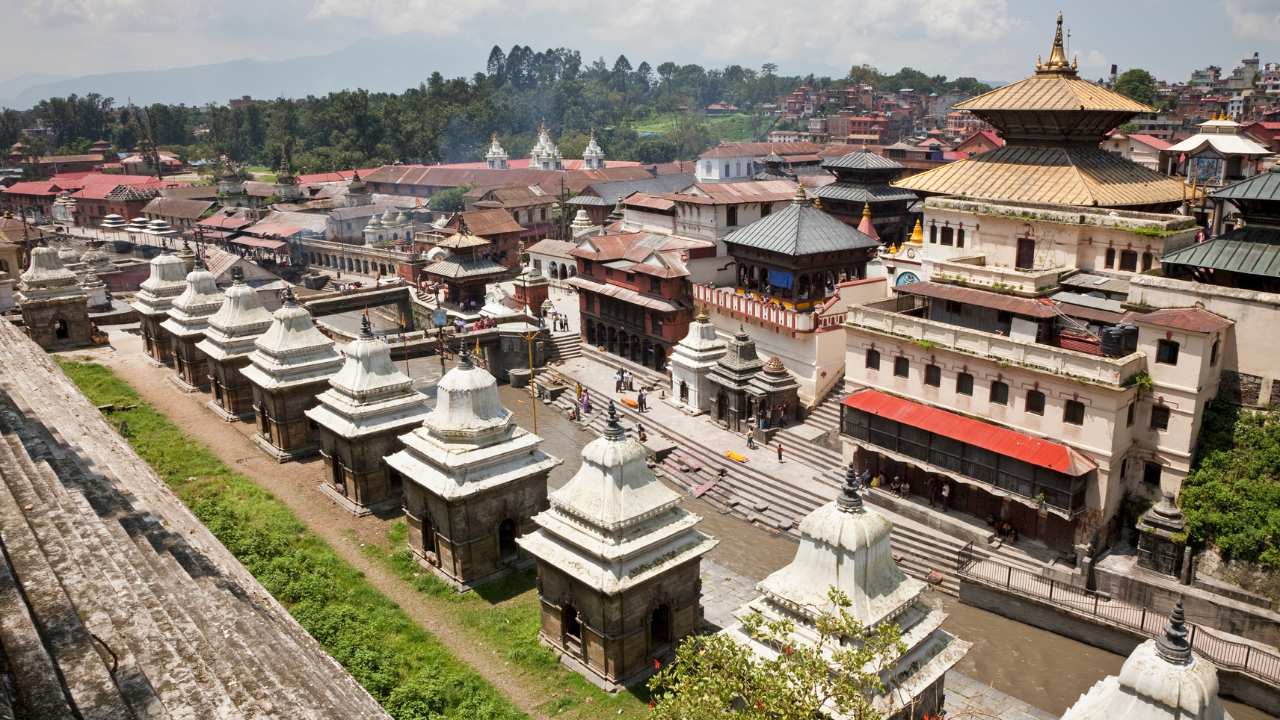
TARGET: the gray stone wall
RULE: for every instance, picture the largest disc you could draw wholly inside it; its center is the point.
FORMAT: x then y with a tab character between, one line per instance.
282	420
44	318
231	390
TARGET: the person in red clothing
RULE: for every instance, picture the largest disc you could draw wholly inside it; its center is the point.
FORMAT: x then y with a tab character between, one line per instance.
779	451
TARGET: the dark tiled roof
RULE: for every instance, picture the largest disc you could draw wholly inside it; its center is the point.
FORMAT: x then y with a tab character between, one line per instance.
862	161
1191	319
1263	186
853	193
800	229
1248	250
178	207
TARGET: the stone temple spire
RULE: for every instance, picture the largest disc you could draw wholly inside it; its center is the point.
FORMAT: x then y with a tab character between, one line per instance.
497	157
1161	679
592	156
850	501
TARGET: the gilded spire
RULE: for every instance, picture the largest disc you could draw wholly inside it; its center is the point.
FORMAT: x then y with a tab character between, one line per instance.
1058	62
800	197
917	235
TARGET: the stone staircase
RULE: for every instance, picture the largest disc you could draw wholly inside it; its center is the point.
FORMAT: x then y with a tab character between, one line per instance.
648	377
568	346
922	551
114	601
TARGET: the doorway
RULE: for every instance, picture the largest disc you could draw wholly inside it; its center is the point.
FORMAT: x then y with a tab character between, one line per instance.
571	629
660	627
60	329
507	548
1026	254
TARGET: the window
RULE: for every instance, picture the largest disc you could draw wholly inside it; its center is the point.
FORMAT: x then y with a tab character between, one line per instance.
1128	420
1035	402
948	236
933	234
999	392
1073	413
542	213
1124	468
1159	417
655	284
873	359
960	238
1110	260
1213	353
1167	352
1146	261
765	209
932	375
953	307
964	384
1128	260
732	216
901	366
726	170
1151	473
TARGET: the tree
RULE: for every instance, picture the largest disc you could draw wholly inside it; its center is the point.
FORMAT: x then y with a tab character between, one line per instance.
716	678
497	66
448	200
1137	84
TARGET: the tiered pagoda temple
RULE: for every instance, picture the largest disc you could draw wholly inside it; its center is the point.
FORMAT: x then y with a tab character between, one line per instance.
368	405
1162	679
691	362
474	479
54	307
846	545
862	187
1052	123
290	365
797	255
154	300
774	396
731	406
466	271
618	564
228	341
188	320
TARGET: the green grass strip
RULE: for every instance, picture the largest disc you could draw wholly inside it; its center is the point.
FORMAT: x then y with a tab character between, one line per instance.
404	667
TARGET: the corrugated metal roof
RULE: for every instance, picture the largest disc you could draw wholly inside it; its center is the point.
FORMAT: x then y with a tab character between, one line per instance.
1054	92
464	268
624	294
1095	281
800	229
1243	251
872	194
1224	144
988	436
863	161
1086	176
1192	319
1263	186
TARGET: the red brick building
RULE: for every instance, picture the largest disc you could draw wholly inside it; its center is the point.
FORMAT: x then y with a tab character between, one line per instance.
633	293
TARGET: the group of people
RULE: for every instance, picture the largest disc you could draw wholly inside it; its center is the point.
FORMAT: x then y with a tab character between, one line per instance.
582	406
1004	530
625	381
558	321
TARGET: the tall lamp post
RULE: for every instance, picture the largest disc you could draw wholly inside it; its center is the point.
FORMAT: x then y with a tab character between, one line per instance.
529	337
440	318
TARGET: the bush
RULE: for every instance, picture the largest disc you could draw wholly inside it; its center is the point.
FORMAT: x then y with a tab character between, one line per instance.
1231	499
401	665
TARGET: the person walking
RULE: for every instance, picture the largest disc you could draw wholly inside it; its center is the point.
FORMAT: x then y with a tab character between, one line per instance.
779	451
946	496
931	488
751	440
577	391
586	402
617	382
641	401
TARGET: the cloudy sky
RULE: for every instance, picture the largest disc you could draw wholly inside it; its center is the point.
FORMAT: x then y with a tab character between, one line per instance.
989	39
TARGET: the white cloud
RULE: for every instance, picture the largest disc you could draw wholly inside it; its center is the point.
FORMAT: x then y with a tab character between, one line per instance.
1253	19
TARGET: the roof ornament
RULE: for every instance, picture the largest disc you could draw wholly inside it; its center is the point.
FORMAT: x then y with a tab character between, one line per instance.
366	327
1173	645
289	299
613	429
1057	55
800	198
917	234
464	359
237	275
850	500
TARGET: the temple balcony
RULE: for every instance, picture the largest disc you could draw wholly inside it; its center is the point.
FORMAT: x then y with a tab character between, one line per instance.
973	271
886	319
809	316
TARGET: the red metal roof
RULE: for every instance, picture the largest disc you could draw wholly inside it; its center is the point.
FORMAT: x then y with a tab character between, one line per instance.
981	298
993	438
1191	319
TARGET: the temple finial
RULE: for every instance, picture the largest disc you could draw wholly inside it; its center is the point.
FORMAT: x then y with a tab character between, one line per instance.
850	500
613	429
1057	62
1173	645
289	299
366	327
464	359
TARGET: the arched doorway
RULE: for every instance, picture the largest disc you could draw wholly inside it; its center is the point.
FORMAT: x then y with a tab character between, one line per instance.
61	330
684	392
660	627
507	548
722	401
428	534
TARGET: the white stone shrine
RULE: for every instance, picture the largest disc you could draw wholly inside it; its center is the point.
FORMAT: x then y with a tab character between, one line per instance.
188	319
691	362
228	341
154	300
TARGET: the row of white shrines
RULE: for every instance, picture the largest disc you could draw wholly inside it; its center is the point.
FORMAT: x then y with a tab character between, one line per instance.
617	558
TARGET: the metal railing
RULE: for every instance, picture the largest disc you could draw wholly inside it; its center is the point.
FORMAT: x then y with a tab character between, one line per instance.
975	566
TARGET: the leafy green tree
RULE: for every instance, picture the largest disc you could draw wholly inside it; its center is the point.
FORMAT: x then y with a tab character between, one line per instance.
448	200
1137	84
715	678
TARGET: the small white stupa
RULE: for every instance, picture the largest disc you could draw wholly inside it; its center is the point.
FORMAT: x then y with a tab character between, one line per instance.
368	405
54	307
691	361
593	156
1162	679
496	158
154	300
290	365
845	545
614	537
46	278
188	319
228	341
473	479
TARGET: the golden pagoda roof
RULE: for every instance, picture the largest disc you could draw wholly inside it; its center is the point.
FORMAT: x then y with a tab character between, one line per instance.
1067	175
1054	87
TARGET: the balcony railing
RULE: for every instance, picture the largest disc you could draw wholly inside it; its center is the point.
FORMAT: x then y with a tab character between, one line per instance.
729	300
974	272
1024	353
